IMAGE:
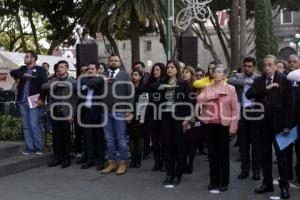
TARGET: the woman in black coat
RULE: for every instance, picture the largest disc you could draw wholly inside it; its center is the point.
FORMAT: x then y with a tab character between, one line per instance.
136	127
158	72
177	110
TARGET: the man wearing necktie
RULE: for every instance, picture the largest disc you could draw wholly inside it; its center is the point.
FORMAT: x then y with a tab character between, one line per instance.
93	132
119	101
276	94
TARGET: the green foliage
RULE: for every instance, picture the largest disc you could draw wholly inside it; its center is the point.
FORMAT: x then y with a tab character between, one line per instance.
265	40
10	128
55	21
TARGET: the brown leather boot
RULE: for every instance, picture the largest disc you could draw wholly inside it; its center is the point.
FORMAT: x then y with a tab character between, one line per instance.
122	168
111	167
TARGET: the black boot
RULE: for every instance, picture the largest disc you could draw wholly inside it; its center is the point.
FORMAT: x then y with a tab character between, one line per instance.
163	167
138	161
133	161
189	168
156	166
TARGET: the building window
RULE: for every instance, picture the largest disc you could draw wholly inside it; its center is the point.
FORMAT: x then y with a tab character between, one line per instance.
286	16
148	45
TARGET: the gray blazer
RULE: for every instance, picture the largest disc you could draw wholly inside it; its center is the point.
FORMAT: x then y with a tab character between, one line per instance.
123	87
62	88
238	81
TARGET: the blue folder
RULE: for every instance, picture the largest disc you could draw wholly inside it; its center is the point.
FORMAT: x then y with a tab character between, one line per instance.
284	141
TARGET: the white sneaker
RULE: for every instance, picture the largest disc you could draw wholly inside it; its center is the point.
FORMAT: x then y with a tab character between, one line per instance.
27	153
39	153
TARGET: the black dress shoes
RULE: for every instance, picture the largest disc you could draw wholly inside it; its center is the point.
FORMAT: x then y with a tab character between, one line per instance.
211	187
156	166
285	194
54	163
100	167
169	180
65	164
177	180
163	168
87	165
81	160
256	177
264	189
243	175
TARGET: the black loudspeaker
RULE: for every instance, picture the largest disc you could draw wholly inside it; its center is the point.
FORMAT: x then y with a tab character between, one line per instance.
85	53
188	50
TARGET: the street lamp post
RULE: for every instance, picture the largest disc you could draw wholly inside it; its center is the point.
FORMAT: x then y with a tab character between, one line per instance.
169	23
295	43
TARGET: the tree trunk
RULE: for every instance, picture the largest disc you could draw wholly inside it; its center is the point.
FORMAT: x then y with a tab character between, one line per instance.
113	43
204	36
51	48
19	25
243	34
217	28
35	38
134	37
234	35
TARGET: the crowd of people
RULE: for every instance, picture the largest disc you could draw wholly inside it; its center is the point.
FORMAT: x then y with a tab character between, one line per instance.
172	111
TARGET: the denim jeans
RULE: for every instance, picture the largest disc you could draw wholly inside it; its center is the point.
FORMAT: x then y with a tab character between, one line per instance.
115	131
31	127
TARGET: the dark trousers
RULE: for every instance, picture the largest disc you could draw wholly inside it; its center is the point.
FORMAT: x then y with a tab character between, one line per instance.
290	152
95	144
61	139
218	153
136	145
147	141
174	145
248	139
157	145
79	138
267	137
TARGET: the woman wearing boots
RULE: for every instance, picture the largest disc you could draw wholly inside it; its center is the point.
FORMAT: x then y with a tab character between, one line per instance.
220	115
191	134
176	110
135	127
157	73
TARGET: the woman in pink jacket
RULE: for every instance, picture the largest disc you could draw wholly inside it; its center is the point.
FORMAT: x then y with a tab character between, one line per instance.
220	113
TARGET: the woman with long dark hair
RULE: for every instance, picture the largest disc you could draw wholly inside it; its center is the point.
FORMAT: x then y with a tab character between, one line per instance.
192	133
158	72
176	110
135	127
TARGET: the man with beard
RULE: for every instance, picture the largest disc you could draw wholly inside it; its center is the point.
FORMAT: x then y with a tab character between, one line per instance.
247	137
31	77
119	99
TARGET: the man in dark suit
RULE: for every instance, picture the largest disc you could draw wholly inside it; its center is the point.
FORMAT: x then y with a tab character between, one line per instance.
247	137
31	77
294	64
91	122
119	100
276	94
